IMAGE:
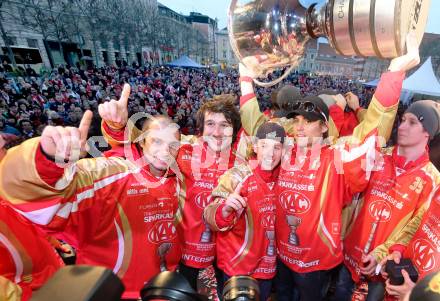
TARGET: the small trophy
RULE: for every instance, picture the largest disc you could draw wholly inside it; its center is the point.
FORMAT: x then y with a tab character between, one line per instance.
161	252
293	223
270	235
206	235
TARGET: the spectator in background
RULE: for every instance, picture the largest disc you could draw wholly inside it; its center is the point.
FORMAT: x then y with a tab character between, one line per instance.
7	129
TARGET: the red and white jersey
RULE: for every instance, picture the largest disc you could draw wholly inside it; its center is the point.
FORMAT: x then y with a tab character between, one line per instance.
116	214
308	212
394	195
420	239
201	169
246	239
424	248
26	257
313	187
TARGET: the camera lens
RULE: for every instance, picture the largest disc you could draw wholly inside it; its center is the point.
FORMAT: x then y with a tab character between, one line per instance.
241	288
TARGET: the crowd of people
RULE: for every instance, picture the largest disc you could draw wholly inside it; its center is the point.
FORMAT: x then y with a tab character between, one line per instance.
28	104
294	186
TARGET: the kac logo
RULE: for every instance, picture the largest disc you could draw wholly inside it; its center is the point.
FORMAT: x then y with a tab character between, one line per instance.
203	199
268	220
380	211
162	231
294	202
424	254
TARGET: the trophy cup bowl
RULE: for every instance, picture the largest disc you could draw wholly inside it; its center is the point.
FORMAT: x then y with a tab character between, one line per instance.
270	235
293	223
163	250
270	34
206	235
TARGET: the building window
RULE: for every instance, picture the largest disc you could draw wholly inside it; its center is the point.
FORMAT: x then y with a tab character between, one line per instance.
33	43
11	40
224	54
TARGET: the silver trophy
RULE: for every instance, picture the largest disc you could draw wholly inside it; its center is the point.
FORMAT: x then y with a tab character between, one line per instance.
270	34
162	251
293	223
270	235
206	235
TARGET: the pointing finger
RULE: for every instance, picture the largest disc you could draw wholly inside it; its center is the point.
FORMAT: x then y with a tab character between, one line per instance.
84	125
123	101
237	189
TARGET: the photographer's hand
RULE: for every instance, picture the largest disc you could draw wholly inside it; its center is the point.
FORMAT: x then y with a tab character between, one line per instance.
400	290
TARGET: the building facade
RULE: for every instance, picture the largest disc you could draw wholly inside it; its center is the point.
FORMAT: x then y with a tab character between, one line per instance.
320	58
208	27
225	55
150	33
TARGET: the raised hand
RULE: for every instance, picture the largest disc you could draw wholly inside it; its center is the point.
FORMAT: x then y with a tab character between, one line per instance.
352	101
115	112
410	59
234	202
66	144
340	101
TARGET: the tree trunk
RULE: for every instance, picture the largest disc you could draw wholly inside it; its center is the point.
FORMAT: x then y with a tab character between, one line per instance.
96	52
60	47
8	46
48	51
142	55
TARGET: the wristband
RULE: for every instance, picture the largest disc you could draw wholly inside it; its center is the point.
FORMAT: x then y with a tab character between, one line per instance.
246	79
246	97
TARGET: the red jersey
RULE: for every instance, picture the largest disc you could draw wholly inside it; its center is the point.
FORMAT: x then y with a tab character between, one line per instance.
394	195
201	169
27	258
308	212
246	240
420	239
424	248
115	213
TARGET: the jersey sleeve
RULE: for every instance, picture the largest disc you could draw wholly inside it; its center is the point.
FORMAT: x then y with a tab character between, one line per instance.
47	194
382	110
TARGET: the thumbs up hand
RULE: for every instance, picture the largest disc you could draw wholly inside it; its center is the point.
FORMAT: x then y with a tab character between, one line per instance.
65	144
115	112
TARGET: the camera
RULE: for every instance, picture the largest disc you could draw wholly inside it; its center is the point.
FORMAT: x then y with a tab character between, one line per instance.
394	271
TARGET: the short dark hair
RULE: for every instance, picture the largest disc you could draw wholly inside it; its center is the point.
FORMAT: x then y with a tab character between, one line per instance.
225	104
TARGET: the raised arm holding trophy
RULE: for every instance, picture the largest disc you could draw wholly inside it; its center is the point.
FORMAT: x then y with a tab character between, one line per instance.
270	34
